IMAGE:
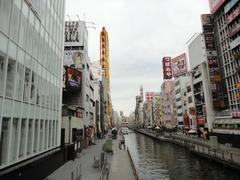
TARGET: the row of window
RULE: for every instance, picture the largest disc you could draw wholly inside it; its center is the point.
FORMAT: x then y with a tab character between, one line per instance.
28	32
26	137
23	84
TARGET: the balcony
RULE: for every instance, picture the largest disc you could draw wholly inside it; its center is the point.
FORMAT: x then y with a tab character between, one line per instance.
234	30
235	43
233	15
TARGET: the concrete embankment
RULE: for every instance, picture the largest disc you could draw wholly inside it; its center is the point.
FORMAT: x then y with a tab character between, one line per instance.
227	156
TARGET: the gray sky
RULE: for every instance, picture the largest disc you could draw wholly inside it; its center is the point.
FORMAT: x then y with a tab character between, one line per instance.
140	33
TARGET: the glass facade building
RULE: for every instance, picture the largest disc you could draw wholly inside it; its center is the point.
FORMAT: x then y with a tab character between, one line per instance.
31	52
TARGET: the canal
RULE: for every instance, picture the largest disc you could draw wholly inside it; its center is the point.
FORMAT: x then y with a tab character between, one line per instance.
163	161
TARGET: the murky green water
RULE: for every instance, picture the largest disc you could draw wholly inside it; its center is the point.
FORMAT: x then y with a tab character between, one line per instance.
155	160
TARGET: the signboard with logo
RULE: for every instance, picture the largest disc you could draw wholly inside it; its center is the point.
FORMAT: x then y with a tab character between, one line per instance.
73	79
74	33
179	65
167	68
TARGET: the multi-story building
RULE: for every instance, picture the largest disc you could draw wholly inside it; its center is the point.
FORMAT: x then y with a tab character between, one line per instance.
179	88
167	91
31	54
156	109
202	98
225	17
78	93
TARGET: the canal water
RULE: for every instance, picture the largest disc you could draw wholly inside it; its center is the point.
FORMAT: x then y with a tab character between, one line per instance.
163	161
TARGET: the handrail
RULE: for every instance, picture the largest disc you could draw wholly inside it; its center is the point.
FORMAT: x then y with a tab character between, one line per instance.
105	167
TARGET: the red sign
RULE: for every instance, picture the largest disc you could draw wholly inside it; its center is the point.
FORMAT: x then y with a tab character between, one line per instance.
186	121
167	68
200	120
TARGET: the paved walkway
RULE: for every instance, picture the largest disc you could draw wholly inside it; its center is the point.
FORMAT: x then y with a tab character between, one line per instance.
121	168
80	166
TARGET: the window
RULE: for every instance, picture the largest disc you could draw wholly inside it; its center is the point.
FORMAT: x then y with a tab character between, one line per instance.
30	136
189	99
36	130
2	73
15	20
22	138
46	134
23	25
41	136
5	10
4	140
26	85
30	32
10	78
19	81
33	87
14	139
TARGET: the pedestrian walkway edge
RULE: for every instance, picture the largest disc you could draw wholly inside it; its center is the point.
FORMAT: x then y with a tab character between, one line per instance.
133	166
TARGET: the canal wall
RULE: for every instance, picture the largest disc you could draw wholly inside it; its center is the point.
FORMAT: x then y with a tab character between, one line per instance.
133	166
227	156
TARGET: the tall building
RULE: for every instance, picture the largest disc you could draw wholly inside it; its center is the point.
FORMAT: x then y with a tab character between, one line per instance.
225	19
167	91
31	56
104	58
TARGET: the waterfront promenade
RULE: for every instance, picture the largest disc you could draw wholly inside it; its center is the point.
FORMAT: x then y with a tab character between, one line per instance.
82	167
121	166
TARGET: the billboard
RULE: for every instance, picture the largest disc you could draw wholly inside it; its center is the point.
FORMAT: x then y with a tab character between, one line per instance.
167	68
149	96
74	33
179	65
215	5
73	58
73	79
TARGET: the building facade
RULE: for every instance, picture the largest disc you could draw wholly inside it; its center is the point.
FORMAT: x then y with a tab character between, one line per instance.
31	51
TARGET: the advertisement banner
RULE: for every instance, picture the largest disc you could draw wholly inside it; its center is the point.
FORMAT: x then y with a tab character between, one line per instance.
179	65
73	79
74	34
73	58
149	96
167	68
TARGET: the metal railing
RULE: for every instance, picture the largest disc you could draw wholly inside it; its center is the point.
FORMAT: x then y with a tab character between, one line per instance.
105	167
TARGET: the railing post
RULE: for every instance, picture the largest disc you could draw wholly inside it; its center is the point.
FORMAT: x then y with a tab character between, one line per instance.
231	157
222	154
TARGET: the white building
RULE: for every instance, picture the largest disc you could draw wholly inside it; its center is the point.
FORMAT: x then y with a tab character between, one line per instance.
197	51
180	97
31	56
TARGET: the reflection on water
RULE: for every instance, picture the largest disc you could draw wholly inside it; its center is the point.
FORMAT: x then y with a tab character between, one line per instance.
155	160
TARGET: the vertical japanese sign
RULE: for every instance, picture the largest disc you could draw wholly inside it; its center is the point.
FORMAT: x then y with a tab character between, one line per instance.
212	59
167	68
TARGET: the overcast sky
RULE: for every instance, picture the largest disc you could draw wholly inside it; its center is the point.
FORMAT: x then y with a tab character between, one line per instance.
140	33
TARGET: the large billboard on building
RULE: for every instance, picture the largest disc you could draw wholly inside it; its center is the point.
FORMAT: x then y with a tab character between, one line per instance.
149	96
73	58
215	5
167	68
179	65
212	61
73	79
74	33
